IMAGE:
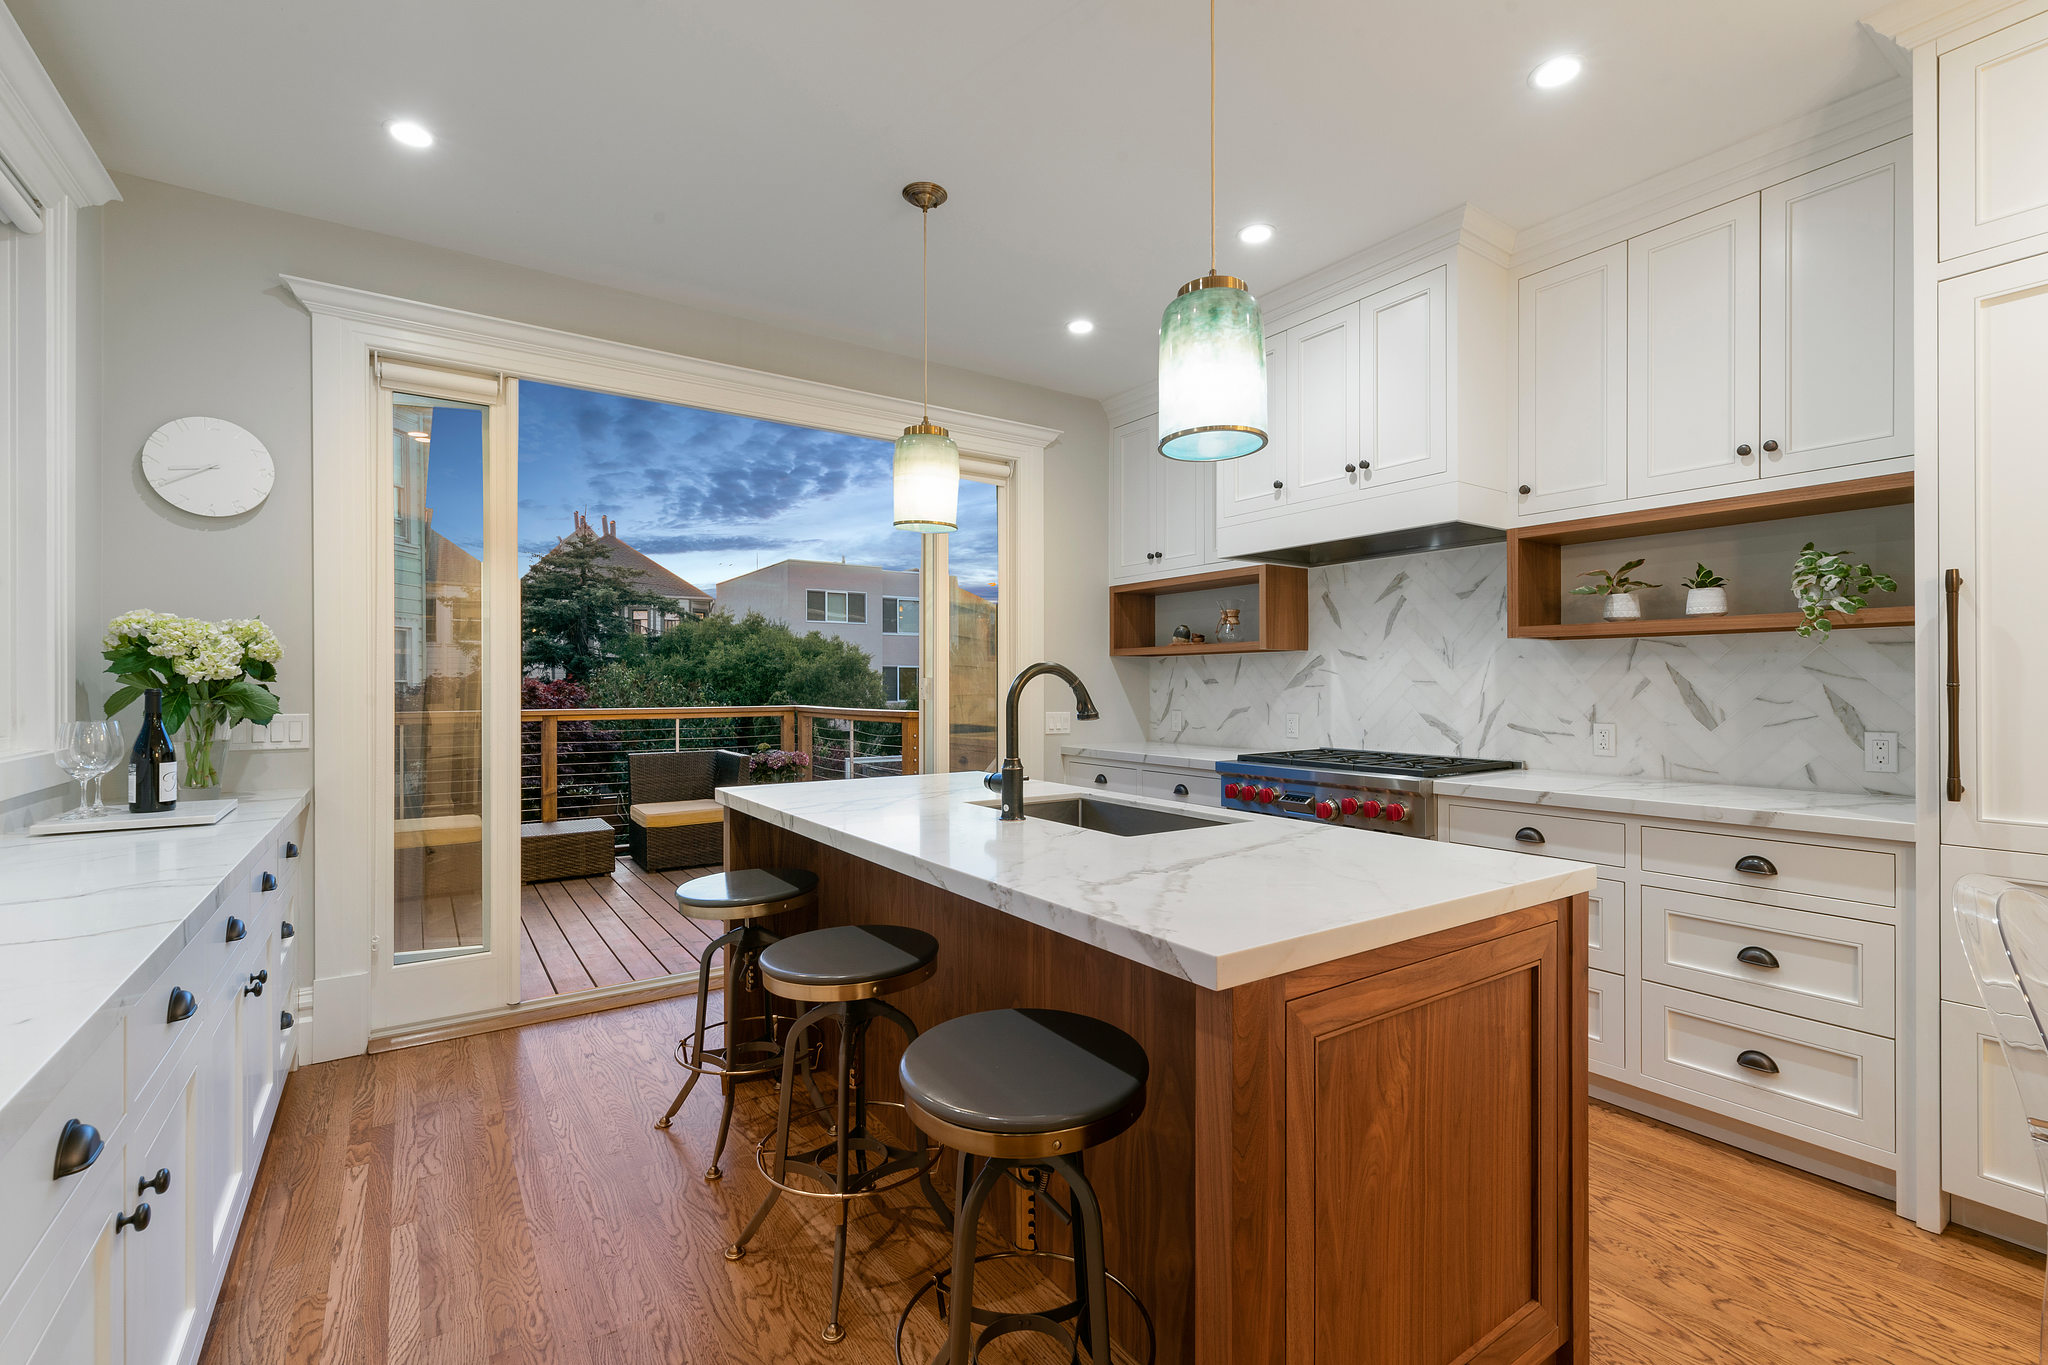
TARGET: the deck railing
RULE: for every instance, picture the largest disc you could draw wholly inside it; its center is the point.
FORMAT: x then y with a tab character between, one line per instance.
573	761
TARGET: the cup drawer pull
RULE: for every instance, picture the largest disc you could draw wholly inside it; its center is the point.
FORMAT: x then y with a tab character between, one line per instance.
1756	863
237	931
1753	1060
78	1146
1758	957
1528	834
183	1006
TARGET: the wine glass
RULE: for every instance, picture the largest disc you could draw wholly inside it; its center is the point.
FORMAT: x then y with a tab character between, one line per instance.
78	750
108	757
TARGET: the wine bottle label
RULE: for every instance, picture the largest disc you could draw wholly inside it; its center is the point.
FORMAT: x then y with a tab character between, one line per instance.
167	782
131	784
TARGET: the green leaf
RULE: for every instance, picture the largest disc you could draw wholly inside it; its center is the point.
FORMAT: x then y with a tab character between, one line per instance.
1590	589
177	706
1632	564
122	700
248	701
261	670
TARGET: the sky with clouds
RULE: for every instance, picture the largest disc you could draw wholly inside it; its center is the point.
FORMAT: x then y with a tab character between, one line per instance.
707	494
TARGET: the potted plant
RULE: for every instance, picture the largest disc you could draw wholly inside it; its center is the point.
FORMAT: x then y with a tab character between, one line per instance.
212	674
1619	589
777	765
1825	582
1706	593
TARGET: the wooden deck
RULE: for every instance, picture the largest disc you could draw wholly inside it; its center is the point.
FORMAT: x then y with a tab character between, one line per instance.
587	932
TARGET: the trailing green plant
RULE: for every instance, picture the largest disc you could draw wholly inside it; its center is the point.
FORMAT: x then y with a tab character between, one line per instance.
1704	577
1611	584
1823	582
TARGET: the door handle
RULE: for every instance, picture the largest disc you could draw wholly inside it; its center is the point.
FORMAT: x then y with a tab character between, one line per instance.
1528	834
1760	866
184	1005
1952	589
1758	957
1756	1061
78	1146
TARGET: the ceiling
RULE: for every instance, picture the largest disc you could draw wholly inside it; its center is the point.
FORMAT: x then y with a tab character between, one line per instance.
747	157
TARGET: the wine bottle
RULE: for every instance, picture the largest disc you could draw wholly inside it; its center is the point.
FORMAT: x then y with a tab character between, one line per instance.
153	762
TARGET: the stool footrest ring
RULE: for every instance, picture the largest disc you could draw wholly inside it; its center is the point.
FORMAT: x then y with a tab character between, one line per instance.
898	1167
1052	1322
760	1057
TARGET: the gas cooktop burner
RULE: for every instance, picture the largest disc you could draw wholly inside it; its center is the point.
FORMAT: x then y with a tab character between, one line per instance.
1376	761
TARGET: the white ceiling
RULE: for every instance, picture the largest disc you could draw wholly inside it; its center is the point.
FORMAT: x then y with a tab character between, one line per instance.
747	156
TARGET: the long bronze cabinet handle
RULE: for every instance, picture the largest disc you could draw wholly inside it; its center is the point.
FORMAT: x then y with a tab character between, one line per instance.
1952	588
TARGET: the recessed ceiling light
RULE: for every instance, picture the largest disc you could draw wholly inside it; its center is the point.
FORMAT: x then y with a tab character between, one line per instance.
1555	72
1254	234
410	133
1080	327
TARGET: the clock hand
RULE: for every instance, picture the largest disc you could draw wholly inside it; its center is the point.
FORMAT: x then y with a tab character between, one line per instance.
190	470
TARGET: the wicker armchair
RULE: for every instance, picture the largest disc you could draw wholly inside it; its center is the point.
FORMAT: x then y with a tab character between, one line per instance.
672	819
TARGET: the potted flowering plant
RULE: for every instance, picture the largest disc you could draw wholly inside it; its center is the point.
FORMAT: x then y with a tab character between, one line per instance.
212	673
1619	589
777	765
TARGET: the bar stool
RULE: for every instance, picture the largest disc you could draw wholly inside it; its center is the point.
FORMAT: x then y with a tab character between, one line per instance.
1026	1091
740	899
844	970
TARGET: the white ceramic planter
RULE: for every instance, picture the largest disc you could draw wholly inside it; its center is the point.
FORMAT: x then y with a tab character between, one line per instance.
1706	601
1623	606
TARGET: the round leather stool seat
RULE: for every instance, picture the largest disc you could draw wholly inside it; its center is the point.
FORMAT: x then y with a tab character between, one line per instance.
1021	1083
850	962
753	893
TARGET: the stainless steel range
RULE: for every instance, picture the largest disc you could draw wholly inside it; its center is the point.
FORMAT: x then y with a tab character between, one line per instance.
1359	788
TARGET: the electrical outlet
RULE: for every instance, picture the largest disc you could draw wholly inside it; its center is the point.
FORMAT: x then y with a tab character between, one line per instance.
1059	722
285	731
1176	720
1293	725
1880	751
1606	741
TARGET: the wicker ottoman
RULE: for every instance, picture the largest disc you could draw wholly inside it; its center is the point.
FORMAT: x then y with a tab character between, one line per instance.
669	834
552	850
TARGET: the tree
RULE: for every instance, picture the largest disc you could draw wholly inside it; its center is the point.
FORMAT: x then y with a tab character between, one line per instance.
572	606
752	661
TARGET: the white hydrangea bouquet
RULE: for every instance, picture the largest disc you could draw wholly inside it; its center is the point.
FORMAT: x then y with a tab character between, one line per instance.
212	673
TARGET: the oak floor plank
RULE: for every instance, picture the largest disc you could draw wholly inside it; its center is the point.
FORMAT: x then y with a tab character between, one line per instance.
565	970
599	961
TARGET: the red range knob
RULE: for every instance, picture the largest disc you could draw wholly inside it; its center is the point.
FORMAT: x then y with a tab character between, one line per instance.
1396	811
1325	811
1369	809
1349	805
1266	795
1230	790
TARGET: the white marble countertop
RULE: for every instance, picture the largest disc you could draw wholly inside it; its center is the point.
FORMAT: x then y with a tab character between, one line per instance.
87	920
1859	814
1247	898
1153	753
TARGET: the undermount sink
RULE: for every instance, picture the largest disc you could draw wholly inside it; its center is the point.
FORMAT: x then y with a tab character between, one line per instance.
1114	817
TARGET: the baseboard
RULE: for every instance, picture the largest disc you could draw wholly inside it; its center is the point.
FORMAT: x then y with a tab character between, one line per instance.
543	1011
2006	1227
1843	1170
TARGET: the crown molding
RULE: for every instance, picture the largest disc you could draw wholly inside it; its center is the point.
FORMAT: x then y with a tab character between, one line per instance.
1915	23
1867	119
1140	400
525	349
38	136
1467	226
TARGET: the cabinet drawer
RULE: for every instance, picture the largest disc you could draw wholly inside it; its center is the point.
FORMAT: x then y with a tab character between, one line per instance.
1175	784
1829	1080
30	1197
1851	874
1827	967
152	1033
1606	1033
1606	931
1538	831
1115	776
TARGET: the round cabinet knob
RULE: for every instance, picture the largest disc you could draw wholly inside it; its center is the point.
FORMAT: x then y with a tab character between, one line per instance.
1369	809
1395	811
1743	450
1266	795
1325	810
1349	805
139	1220
160	1182
1523	490
1350	469
1277	484
1770	446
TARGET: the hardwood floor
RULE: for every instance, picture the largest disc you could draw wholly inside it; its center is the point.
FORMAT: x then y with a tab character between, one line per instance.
505	1197
605	931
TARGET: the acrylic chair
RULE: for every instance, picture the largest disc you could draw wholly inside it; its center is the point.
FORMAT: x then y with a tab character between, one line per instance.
2004	929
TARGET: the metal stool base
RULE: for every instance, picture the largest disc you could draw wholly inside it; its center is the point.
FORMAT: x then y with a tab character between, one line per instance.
1052	1322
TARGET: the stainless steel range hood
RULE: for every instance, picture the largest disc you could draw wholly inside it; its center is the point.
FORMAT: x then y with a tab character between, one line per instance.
1444	535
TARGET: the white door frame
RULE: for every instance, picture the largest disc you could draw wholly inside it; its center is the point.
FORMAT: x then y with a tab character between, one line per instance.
349	327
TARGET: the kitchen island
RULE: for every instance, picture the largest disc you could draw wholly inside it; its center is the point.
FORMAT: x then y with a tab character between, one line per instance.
1365	1135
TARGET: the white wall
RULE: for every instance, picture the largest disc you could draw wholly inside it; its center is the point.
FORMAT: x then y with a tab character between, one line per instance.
194	321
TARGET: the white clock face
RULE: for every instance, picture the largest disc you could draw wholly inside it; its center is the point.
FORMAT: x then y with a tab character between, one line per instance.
207	466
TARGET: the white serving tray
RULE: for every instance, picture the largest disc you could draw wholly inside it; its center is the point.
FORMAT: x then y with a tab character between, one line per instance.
187	813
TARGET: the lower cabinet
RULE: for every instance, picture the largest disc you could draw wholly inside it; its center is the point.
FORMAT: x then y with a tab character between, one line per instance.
1117	777
162	1257
1986	1153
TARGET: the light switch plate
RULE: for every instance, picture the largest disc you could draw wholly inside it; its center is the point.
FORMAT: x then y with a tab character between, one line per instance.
1880	751
1059	722
287	730
1606	739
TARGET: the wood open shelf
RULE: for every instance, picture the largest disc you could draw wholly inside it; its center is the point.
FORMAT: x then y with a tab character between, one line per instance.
1536	590
1282	591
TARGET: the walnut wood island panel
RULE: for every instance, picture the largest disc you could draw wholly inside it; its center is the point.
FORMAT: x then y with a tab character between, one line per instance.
1377	1157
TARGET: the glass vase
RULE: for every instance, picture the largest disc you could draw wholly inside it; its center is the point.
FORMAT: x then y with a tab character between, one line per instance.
197	740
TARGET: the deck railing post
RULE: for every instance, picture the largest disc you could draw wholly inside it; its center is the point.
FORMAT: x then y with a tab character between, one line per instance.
789	731
548	730
908	734
807	739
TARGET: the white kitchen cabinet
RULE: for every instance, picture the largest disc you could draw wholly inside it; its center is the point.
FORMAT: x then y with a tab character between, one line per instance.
220	1168
1117	777
1993	115
1257	483
1322	406
1987	1154
1573	384
1993	355
162	1309
1837	344
1692	352
74	1315
1161	510
1403	359
256	1038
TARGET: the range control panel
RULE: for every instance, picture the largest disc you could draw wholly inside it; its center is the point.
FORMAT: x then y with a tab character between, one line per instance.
1391	805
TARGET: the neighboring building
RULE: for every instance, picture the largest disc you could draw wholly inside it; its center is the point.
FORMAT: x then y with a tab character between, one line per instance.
669	598
870	607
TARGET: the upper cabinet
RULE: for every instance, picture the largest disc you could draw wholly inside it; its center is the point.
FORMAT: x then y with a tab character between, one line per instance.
1258	483
1768	338
1993	126
1161	510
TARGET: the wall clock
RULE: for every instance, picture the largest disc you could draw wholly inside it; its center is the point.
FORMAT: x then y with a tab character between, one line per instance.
207	466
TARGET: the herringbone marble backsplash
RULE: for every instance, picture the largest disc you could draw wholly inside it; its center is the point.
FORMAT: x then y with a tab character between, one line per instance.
1412	653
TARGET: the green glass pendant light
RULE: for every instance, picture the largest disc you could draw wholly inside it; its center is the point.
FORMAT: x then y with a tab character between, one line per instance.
1212	349
927	469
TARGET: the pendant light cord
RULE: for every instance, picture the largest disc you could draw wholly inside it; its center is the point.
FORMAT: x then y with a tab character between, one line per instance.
924	216
1212	137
